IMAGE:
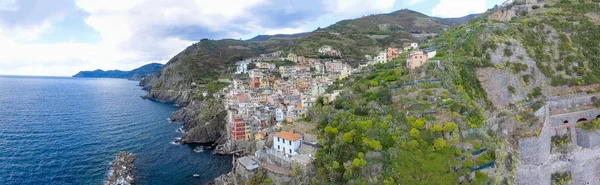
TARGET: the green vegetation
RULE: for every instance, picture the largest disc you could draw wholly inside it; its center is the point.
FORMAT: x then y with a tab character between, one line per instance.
590	125
370	120
561	178
260	178
512	90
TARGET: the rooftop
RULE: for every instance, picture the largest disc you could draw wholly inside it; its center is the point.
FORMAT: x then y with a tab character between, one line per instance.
248	163
289	135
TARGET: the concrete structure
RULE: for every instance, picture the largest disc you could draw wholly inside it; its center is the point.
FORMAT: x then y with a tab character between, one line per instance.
416	59
538	163
248	163
430	52
287	142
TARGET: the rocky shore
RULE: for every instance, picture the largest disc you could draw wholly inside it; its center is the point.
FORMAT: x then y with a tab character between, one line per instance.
122	168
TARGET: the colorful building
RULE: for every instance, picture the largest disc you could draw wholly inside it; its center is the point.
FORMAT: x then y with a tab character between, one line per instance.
239	129
416	59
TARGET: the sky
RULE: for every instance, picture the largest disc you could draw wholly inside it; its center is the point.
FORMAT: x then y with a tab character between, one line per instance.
63	37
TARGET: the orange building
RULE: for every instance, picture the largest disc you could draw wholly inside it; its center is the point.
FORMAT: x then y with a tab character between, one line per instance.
416	59
238	129
392	53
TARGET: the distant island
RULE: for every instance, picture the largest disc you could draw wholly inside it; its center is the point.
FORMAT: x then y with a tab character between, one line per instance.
136	74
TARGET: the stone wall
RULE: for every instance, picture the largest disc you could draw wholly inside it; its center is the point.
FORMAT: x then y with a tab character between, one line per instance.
588	139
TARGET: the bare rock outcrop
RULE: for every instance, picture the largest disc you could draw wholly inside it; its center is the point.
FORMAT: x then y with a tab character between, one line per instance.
122	169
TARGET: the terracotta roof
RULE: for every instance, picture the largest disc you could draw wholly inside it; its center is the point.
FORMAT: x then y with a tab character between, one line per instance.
288	135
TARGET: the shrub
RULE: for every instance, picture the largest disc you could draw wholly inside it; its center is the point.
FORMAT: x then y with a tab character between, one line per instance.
507	52
512	90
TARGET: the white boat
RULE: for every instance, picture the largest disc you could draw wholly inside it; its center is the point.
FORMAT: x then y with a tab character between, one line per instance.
196	175
199	149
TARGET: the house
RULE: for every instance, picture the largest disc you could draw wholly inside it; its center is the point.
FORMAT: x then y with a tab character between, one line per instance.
392	53
255	83
242	67
292	57
414	45
381	58
287	142
334	67
346	71
430	52
280	114
336	53
416	59
239	129
326	49
317	90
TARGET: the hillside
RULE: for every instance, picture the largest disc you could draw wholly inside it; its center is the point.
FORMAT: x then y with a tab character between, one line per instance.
136	74
371	34
277	36
496	73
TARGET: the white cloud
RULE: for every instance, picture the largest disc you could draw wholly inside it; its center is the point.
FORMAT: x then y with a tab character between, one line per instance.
136	32
353	8
413	2
458	8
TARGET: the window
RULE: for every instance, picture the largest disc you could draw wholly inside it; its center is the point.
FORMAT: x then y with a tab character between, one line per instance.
283	140
290	151
278	147
277	139
290	142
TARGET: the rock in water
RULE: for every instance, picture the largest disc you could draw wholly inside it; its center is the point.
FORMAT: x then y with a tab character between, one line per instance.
121	172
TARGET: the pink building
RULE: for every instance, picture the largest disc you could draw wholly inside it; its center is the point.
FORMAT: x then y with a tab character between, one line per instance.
416	59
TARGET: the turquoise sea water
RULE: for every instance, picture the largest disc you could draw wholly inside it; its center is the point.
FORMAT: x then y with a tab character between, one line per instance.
57	130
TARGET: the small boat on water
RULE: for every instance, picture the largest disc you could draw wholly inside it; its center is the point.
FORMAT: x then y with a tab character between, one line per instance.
199	149
196	175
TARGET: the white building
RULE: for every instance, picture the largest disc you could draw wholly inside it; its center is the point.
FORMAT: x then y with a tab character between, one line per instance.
287	142
414	45
381	57
346	71
279	115
430	52
326	49
242	67
292	57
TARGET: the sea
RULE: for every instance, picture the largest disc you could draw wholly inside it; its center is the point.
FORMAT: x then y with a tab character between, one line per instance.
61	130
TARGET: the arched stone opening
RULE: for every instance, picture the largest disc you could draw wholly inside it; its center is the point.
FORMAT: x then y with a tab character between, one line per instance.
582	120
598	117
566	124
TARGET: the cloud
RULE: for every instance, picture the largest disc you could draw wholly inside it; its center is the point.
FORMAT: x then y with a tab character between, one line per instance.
458	8
412	2
135	32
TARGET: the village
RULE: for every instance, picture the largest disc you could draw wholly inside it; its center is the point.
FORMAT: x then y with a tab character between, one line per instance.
263	97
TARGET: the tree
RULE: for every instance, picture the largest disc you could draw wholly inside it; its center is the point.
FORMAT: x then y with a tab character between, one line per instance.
348	137
440	143
251	66
437	128
450	126
415	133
